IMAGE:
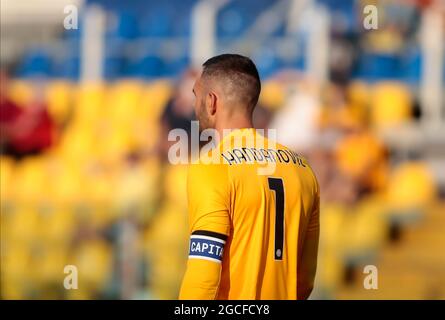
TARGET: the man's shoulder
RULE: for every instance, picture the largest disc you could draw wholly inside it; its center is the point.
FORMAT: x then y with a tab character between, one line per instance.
209	165
301	161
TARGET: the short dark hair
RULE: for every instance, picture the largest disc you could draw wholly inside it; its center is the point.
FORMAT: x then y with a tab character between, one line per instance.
240	72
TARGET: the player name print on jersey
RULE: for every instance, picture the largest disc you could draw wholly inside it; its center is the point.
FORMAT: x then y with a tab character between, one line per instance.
207	245
250	155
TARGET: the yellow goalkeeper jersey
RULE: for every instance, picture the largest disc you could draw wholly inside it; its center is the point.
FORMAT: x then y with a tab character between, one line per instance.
254	221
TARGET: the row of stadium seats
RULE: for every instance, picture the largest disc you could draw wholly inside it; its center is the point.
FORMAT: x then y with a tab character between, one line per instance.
381	105
173	19
147	61
40	236
412	269
38	244
353	237
145	39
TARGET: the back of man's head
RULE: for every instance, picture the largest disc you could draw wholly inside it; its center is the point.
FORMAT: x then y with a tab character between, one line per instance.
237	75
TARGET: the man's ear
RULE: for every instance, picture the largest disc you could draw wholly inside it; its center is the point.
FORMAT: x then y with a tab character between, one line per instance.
211	101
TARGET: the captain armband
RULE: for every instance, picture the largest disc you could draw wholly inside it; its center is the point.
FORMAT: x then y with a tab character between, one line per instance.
207	245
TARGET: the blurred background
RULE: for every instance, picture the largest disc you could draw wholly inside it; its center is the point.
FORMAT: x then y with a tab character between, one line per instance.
90	89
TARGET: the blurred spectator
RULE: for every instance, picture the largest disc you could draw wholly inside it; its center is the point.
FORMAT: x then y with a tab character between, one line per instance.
361	156
10	112
179	111
27	129
337	113
342	58
261	117
297	121
330	177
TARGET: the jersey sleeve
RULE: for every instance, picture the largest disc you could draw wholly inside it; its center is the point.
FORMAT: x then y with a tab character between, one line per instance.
308	265
209	225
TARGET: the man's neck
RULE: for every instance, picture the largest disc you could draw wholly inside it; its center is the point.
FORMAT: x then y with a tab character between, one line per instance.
239	123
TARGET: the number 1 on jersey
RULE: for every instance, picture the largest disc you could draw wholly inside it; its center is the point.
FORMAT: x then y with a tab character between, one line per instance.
276	184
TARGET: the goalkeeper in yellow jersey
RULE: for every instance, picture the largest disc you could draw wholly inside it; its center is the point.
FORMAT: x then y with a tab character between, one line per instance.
253	232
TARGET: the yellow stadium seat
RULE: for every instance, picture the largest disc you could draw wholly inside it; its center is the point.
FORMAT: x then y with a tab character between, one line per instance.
329	274
166	242
332	220
358	153
15	262
94	260
330	257
99	197
21	92
7	166
170	226
154	99
359	93
391	105
68	184
12	289
339	112
99	217
59	96
78	144
116	144
146	134
138	188
101	187
366	229
59	225
30	181
152	171
50	264
342	117
89	103
123	101
272	95
24	225
84	293
411	186
176	184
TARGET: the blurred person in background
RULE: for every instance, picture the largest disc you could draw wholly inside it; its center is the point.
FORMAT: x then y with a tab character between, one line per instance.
26	129
178	113
10	112
297	121
354	156
261	117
